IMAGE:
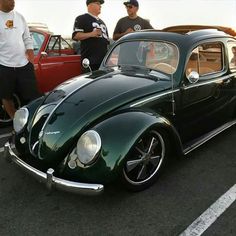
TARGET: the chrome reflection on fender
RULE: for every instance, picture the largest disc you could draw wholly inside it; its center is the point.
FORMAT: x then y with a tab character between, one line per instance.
50	180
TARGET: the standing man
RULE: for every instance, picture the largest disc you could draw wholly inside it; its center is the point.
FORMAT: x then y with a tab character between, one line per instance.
93	34
16	58
132	22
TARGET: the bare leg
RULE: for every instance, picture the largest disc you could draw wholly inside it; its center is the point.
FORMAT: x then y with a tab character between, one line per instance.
9	107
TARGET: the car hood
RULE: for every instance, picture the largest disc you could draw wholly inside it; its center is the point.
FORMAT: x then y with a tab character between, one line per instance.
74	106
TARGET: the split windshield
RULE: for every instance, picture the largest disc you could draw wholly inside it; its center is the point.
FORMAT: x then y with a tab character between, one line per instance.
155	55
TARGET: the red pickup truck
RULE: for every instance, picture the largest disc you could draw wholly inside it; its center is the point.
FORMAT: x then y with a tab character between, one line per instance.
55	61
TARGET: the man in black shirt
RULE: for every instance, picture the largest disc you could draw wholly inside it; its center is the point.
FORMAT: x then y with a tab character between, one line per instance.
93	34
132	22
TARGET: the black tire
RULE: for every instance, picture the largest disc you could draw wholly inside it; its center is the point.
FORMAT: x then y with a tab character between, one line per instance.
145	161
5	120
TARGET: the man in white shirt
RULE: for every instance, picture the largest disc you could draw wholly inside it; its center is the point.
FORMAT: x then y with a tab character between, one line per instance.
16	58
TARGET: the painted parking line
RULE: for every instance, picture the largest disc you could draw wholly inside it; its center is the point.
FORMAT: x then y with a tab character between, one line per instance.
5	135
211	214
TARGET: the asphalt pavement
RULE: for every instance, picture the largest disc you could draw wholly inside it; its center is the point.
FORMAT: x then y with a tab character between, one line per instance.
186	189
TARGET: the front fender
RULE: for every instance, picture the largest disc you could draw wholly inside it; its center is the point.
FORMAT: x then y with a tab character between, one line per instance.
118	134
32	107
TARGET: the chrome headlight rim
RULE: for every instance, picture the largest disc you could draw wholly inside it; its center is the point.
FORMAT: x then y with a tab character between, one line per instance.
20	119
90	134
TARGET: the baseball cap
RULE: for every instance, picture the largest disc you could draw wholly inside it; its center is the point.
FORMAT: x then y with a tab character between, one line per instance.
132	2
91	1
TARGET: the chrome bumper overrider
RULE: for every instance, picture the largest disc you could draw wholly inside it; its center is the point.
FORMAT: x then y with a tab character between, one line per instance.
48	178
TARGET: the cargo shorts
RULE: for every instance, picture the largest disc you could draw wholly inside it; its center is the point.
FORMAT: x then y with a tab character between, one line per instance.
20	81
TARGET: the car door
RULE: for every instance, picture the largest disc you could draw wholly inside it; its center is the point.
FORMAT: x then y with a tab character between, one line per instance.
58	63
204	102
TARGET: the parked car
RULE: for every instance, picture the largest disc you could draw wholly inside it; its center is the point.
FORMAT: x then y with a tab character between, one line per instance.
55	61
157	95
189	28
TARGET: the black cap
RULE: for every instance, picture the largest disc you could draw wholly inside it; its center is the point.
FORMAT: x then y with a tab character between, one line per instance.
91	1
132	2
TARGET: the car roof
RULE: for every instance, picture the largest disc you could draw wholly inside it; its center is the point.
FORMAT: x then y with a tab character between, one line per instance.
183	29
34	29
39	26
179	37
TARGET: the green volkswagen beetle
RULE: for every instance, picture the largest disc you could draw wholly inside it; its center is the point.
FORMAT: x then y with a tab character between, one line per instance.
156	95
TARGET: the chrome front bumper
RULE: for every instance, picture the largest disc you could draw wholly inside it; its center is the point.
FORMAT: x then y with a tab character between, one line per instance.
51	181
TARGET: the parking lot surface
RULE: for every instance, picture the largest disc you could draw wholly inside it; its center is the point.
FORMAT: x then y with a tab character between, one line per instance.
186	189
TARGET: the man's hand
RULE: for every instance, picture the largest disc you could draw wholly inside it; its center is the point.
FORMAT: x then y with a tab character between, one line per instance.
30	55
129	30
96	33
119	35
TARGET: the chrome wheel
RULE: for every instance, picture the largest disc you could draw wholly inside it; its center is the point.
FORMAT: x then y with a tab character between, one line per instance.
145	160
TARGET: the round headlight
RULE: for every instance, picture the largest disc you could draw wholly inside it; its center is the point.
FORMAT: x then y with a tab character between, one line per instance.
88	147
20	119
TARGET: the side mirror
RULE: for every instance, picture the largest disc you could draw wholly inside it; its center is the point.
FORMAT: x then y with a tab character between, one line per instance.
86	64
193	77
43	54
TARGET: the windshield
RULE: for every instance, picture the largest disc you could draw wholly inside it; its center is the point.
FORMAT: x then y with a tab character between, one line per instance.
38	39
160	56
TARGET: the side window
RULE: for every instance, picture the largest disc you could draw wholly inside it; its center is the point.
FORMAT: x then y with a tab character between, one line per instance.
232	55
193	62
65	44
53	46
58	46
38	40
206	59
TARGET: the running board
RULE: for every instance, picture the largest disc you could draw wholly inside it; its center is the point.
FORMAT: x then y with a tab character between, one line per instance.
196	143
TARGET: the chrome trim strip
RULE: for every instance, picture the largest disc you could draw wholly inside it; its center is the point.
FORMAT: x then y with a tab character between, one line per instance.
208	137
51	181
34	146
210	81
153	98
185	88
